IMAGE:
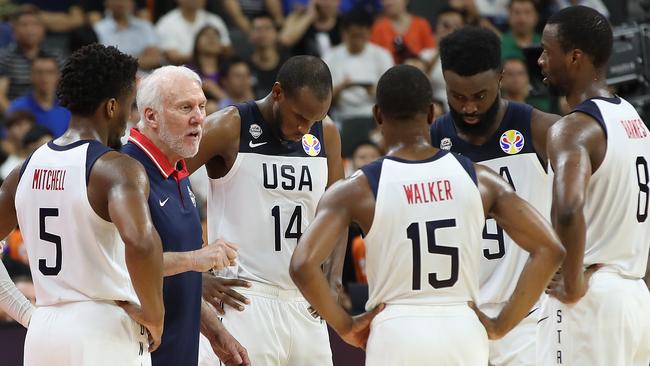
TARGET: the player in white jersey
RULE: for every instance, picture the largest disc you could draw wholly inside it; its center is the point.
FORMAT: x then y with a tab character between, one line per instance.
509	138
74	199
269	162
423	211
598	309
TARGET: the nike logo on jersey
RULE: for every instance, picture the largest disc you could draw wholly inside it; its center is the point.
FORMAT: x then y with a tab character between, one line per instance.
253	145
162	203
532	311
544	318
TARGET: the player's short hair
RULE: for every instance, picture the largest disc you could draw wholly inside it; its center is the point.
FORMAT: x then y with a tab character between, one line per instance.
581	27
93	74
305	72
403	92
357	16
150	89
470	50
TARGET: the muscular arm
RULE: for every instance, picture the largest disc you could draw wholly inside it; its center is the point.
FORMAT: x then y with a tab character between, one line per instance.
346	201
12	301
532	233
540	124
576	146
122	183
334	265
220	139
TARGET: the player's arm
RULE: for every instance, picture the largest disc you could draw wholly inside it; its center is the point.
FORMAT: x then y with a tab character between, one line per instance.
224	345
220	136
533	234
12	301
339	206
217	255
574	144
540	124
124	183
334	265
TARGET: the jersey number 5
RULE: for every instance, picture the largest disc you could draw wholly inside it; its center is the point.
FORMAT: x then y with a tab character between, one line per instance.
43	213
413	233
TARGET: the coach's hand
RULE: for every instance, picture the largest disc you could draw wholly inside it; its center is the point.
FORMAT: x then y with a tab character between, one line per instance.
557	288
228	349
218	292
154	329
217	255
491	325
359	328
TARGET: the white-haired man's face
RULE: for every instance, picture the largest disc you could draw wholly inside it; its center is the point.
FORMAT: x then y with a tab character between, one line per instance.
182	116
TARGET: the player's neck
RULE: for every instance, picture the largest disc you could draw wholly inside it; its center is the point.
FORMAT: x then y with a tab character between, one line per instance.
84	128
408	141
589	88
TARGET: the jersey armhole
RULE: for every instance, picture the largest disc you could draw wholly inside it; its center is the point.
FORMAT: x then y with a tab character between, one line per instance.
95	150
24	166
590	108
468	166
372	171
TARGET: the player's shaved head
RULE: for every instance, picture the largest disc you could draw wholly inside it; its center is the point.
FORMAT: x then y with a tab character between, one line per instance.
404	92
305	72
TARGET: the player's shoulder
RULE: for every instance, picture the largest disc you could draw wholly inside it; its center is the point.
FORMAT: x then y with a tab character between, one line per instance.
115	167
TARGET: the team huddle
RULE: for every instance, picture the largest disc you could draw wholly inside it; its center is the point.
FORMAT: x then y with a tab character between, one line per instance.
496	234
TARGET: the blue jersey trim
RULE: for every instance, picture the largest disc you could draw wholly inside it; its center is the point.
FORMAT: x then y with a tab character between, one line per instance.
468	165
95	150
590	108
372	171
262	138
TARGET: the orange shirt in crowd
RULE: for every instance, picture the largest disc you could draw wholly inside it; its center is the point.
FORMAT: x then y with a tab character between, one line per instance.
359	259
417	37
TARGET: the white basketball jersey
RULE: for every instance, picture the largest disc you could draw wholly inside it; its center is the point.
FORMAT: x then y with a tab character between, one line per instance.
424	245
510	153
73	253
267	199
616	209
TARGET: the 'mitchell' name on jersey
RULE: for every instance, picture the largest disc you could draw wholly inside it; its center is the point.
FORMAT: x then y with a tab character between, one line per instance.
49	179
616	211
268	198
510	153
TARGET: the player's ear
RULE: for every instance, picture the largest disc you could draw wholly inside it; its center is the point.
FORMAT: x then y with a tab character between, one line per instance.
277	92
377	114
431	113
111	108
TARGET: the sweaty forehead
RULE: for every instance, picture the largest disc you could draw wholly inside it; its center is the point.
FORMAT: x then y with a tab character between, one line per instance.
306	103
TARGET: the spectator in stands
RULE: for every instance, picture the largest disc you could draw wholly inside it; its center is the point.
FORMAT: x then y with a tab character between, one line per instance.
35	138
134	36
495	10
16	60
59	16
471	13
312	30
95	10
18	125
522	18
595	4
178	29
205	61
356	66
236	80
242	12
42	101
402	33
515	84
267	57
447	20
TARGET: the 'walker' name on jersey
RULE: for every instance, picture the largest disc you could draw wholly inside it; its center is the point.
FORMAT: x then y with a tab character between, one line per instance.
290	179
49	179
428	192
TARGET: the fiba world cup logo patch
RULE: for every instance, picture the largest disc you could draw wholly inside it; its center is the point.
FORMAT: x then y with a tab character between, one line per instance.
311	145
512	142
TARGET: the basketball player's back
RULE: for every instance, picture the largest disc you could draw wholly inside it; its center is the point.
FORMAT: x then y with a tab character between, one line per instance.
423	249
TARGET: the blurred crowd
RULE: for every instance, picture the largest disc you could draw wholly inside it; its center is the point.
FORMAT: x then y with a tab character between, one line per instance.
237	46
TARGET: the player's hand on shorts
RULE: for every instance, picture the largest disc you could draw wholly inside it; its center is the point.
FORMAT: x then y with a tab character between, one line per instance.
228	349
217	255
359	331
557	289
491	326
219	292
154	329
